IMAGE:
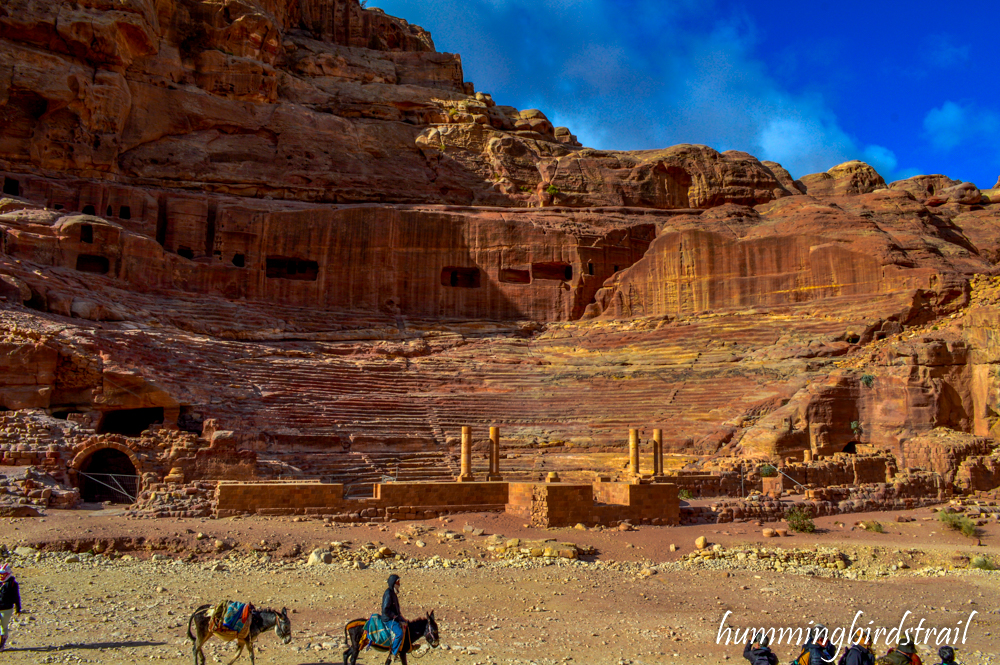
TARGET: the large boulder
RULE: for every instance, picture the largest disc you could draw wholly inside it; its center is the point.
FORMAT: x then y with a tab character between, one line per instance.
845	179
925	187
965	193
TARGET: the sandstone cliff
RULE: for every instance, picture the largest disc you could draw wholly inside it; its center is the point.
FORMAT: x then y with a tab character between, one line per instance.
316	100
296	220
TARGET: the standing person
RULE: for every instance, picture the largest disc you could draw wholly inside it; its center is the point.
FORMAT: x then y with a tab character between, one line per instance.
904	654
859	653
947	655
820	649
391	614
10	598
758	652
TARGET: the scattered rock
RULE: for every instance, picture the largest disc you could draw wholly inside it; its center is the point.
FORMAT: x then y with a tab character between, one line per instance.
319	556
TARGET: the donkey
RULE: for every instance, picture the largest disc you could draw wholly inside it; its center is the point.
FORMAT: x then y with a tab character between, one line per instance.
425	627
260	621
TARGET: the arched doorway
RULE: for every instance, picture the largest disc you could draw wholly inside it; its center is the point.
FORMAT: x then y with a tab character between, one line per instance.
108	475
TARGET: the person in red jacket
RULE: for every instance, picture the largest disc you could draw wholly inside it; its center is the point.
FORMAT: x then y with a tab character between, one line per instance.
10	598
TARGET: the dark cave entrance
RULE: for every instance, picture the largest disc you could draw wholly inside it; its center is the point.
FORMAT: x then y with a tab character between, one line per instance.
851	448
130	422
99	265
109	475
11	186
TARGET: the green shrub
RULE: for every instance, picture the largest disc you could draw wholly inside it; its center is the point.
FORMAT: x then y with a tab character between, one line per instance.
959	523
800	520
868	380
452	112
856	427
768	471
982	563
874	527
552	189
524	188
685	495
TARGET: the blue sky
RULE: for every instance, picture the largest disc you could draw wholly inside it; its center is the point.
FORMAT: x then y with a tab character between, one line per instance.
910	88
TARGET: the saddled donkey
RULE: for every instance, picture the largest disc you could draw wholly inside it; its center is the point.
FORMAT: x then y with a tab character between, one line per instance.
261	621
425	627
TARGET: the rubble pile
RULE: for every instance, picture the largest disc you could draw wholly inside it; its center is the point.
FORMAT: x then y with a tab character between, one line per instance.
176	500
36	488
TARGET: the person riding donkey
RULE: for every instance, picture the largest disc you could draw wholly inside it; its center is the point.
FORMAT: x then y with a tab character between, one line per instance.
10	597
392	615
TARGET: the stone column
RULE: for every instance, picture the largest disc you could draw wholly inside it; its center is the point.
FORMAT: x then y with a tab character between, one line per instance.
466	476
657	452
633	452
494	473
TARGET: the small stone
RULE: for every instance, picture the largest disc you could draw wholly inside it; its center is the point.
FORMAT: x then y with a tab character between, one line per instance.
200	536
701	542
673	548
767	533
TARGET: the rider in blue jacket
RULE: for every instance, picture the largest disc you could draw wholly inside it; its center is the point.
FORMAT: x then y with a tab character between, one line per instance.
391	613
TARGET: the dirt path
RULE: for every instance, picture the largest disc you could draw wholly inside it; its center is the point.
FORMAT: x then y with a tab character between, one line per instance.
637	602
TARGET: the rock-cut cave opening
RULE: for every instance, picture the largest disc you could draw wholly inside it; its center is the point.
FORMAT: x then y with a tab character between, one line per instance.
11	187
130	422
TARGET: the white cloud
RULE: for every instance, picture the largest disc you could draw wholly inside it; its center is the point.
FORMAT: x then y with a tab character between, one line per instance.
882	160
955	124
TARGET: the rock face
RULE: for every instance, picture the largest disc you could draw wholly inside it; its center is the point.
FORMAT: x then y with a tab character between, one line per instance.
935	190
794	250
291	230
845	179
317	100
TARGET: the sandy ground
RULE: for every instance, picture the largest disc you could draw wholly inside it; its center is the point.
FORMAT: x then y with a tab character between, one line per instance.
128	609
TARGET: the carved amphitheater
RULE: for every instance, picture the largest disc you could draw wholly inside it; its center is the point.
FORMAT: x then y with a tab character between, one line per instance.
276	256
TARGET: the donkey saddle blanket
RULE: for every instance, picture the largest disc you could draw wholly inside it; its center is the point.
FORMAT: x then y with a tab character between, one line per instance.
382	634
231	620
